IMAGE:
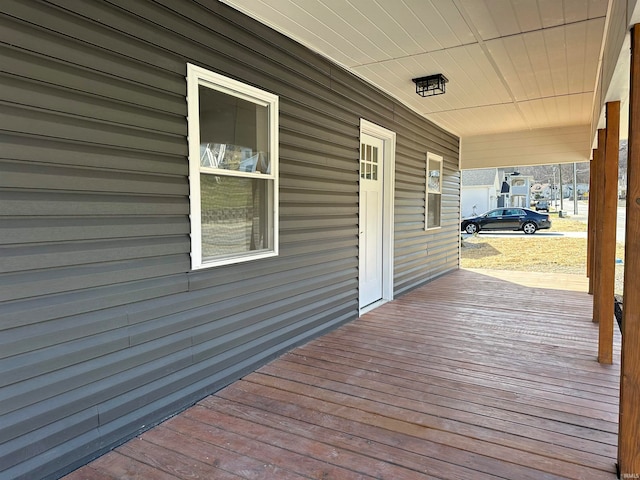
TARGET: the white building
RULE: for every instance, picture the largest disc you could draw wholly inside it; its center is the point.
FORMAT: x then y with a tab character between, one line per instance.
479	191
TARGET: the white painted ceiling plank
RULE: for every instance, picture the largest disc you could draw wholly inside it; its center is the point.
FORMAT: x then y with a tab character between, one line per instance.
504	17
349	23
539	61
487	119
479	11
423	38
555	42
558	111
369	23
473	75
597	8
595	31
443	20
576	35
551	12
522	80
575	10
527	14
450	15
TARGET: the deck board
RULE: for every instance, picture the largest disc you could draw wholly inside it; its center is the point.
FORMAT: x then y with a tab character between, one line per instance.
482	375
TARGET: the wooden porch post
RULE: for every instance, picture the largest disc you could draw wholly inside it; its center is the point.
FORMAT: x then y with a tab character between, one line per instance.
598	210
629	429
591	222
606	235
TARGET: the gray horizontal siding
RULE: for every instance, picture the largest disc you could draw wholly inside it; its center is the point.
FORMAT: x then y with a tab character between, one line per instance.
20	174
64	153
64	37
39	229
25	121
51	255
19	58
39	95
104	330
45	203
423	255
37	282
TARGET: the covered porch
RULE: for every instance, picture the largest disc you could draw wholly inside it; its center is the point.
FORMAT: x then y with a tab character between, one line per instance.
477	374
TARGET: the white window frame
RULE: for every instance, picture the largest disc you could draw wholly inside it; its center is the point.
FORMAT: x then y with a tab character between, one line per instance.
428	173
197	76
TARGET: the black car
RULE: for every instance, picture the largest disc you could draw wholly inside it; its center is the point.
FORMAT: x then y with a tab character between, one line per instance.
542	205
507	219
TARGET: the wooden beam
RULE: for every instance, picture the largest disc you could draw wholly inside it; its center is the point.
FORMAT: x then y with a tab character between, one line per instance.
629	428
598	210
591	223
606	234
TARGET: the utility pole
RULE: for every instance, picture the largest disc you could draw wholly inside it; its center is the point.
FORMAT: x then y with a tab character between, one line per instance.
553	188
575	189
561	194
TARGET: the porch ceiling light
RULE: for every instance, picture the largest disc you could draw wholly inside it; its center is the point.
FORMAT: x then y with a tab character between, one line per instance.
431	85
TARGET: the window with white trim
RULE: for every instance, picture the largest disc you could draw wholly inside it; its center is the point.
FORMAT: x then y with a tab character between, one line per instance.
433	194
233	169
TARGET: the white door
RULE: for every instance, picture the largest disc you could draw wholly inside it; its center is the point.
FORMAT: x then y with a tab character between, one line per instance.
371	219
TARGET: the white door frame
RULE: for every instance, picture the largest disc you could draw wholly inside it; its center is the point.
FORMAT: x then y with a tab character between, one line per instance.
388	179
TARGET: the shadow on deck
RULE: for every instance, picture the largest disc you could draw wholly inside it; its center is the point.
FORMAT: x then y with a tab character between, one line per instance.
473	376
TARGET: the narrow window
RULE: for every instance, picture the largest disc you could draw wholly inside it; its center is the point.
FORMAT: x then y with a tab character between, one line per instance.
233	170
433	194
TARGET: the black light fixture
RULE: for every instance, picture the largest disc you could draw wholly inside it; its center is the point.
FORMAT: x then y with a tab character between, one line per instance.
431	85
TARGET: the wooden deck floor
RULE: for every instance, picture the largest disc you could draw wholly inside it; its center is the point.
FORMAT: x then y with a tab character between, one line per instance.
474	376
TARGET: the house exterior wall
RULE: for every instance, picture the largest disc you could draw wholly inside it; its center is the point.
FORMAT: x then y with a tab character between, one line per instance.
484	198
104	328
520	194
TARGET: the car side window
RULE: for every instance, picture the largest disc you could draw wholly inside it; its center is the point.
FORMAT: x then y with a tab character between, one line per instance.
495	213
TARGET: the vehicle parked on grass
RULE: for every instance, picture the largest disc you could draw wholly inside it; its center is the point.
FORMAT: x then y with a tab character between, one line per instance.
513	218
542	205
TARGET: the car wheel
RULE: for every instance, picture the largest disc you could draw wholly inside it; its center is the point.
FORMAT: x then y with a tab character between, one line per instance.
529	228
471	228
